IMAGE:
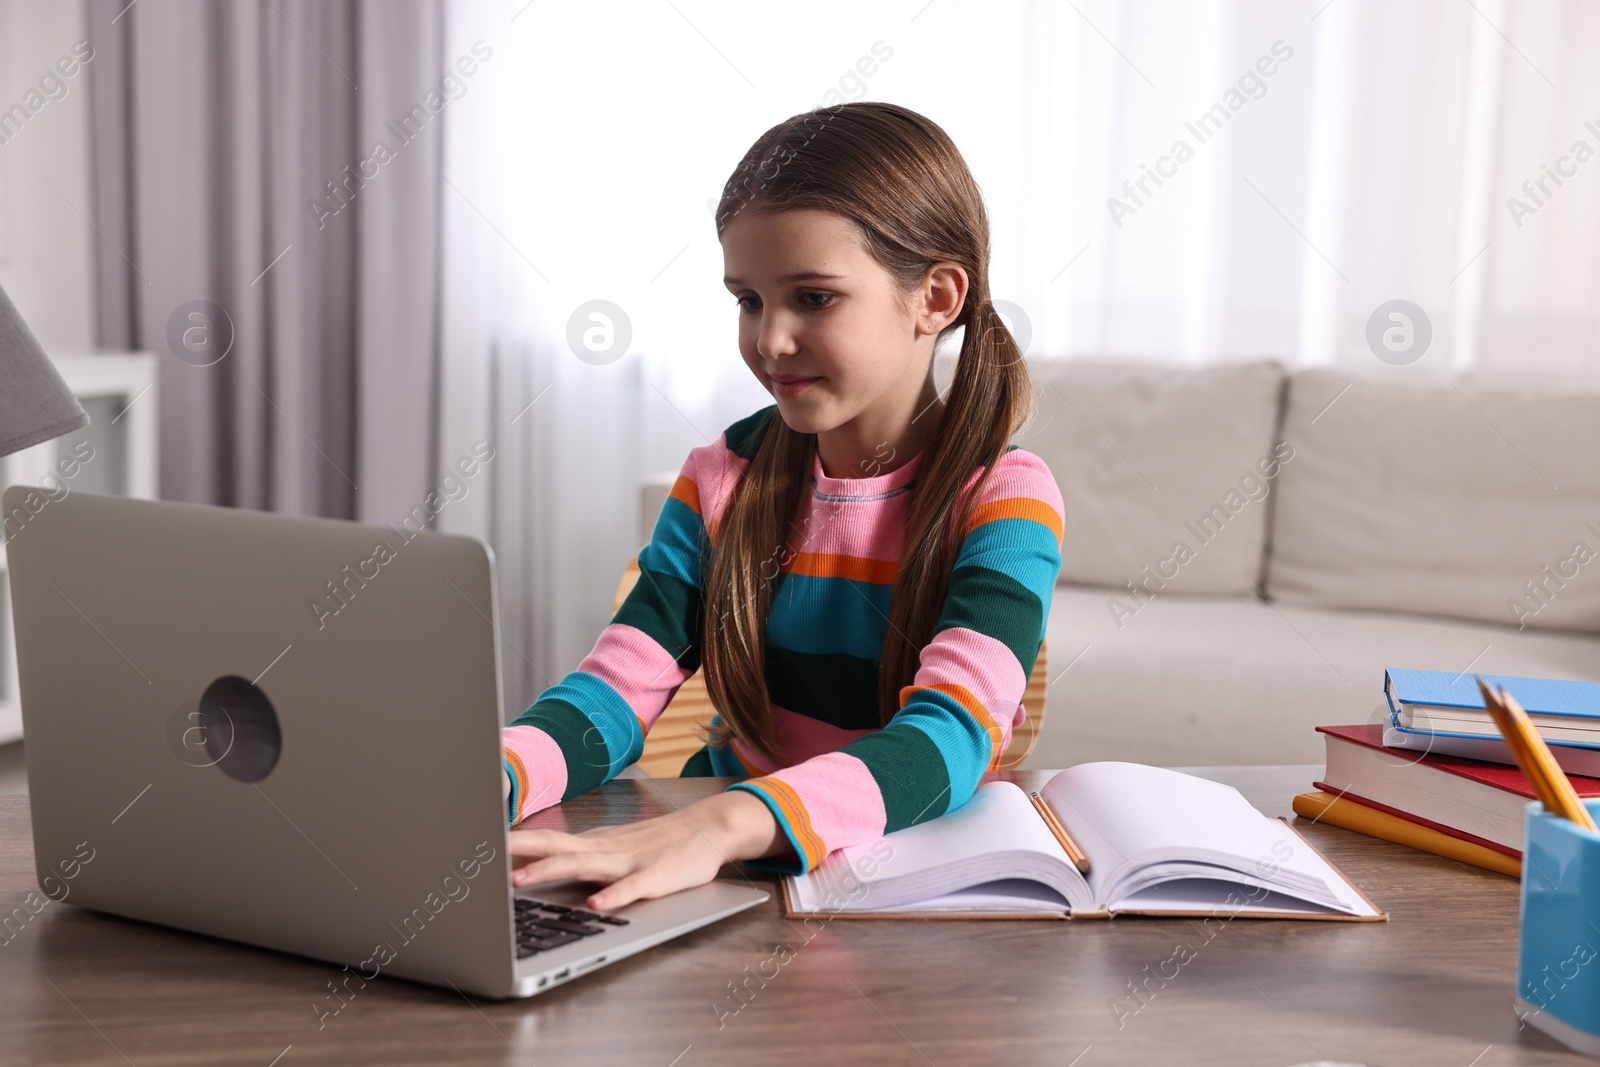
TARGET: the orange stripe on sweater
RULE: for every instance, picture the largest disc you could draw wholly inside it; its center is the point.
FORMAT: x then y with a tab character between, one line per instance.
968	700
685	490
521	773
857	568
794	809
1016	507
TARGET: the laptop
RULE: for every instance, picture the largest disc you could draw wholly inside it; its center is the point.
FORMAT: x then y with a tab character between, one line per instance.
285	731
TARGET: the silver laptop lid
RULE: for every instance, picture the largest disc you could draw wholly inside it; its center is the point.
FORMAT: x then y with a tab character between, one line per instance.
273	729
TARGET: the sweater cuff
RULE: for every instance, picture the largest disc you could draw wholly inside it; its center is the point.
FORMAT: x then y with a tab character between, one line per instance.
519	784
537	767
781	800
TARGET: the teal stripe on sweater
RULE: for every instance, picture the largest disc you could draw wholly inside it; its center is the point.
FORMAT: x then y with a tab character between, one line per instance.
676	543
824	616
514	801
723	761
960	739
611	733
1025	550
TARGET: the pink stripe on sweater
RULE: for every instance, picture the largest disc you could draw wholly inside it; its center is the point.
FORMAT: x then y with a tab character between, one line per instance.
716	472
546	766
643	673
799	738
875	529
862	516
1019	473
982	665
869	529
841	797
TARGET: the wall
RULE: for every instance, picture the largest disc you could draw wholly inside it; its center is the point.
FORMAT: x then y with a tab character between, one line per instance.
46	240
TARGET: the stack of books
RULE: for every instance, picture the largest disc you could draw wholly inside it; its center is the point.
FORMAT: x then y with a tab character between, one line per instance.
1437	776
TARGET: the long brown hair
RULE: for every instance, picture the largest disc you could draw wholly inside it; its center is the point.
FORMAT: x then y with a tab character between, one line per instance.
900	179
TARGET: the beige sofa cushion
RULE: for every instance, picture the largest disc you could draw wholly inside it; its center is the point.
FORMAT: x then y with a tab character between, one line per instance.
1194	681
1150	457
1464	501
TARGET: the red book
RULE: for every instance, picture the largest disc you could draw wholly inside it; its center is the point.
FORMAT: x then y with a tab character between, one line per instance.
1464	797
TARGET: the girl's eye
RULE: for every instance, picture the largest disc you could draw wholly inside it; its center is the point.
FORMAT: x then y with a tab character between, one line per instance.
826	299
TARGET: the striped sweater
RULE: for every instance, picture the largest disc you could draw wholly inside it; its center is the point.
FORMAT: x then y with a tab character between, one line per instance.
842	779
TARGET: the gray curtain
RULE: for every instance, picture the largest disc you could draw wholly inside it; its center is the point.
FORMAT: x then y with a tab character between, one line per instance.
235	181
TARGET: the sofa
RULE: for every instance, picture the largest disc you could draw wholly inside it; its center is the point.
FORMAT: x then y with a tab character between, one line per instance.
1247	548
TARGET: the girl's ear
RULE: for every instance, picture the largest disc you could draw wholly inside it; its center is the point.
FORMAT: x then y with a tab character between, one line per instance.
940	299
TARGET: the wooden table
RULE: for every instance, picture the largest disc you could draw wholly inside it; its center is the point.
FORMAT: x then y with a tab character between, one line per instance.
1432	986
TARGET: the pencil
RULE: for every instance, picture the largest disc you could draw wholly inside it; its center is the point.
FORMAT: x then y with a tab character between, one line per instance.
1517	740
1533	756
1517	743
1568	803
1074	853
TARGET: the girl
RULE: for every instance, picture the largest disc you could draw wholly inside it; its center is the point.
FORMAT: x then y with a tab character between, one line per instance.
862	570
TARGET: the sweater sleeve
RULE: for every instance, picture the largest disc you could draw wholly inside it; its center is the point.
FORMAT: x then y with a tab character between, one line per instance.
957	717
586	728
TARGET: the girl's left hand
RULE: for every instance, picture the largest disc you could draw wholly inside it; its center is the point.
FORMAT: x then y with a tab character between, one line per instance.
652	857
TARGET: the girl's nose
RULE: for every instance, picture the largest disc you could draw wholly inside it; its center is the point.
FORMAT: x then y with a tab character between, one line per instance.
775	336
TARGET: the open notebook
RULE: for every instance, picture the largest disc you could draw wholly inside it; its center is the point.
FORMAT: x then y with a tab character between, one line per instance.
1159	842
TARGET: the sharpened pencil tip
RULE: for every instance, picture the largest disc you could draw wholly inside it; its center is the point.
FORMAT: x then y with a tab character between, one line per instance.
1483	687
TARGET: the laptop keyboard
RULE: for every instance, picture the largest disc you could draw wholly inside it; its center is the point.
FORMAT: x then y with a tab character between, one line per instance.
542	926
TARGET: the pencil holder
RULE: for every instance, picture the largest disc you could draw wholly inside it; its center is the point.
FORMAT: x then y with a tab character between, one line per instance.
1558	951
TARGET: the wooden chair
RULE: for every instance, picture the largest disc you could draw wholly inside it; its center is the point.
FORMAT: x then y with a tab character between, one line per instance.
674	737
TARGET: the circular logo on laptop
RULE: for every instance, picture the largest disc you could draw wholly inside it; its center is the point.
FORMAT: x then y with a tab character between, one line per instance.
232	727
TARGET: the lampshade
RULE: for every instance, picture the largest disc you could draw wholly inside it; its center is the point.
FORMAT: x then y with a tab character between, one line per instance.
35	403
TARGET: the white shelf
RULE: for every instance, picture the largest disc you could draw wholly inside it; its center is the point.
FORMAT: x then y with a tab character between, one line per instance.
118	391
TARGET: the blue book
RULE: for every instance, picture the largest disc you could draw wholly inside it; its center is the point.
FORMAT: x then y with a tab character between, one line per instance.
1428	708
1444	689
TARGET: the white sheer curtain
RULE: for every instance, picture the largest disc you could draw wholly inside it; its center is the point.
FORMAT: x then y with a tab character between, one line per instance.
1356	152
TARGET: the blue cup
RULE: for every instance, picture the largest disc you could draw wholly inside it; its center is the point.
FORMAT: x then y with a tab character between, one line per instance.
1558	953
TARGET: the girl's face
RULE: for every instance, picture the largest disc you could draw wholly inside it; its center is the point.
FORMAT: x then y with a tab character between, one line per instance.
815	306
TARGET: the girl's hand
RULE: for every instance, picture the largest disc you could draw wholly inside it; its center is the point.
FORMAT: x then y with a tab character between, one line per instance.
653	857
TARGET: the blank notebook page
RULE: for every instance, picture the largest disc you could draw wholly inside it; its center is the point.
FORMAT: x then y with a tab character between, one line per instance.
998	817
1153	810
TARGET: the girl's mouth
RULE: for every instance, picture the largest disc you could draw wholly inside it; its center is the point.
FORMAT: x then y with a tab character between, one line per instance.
793	387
